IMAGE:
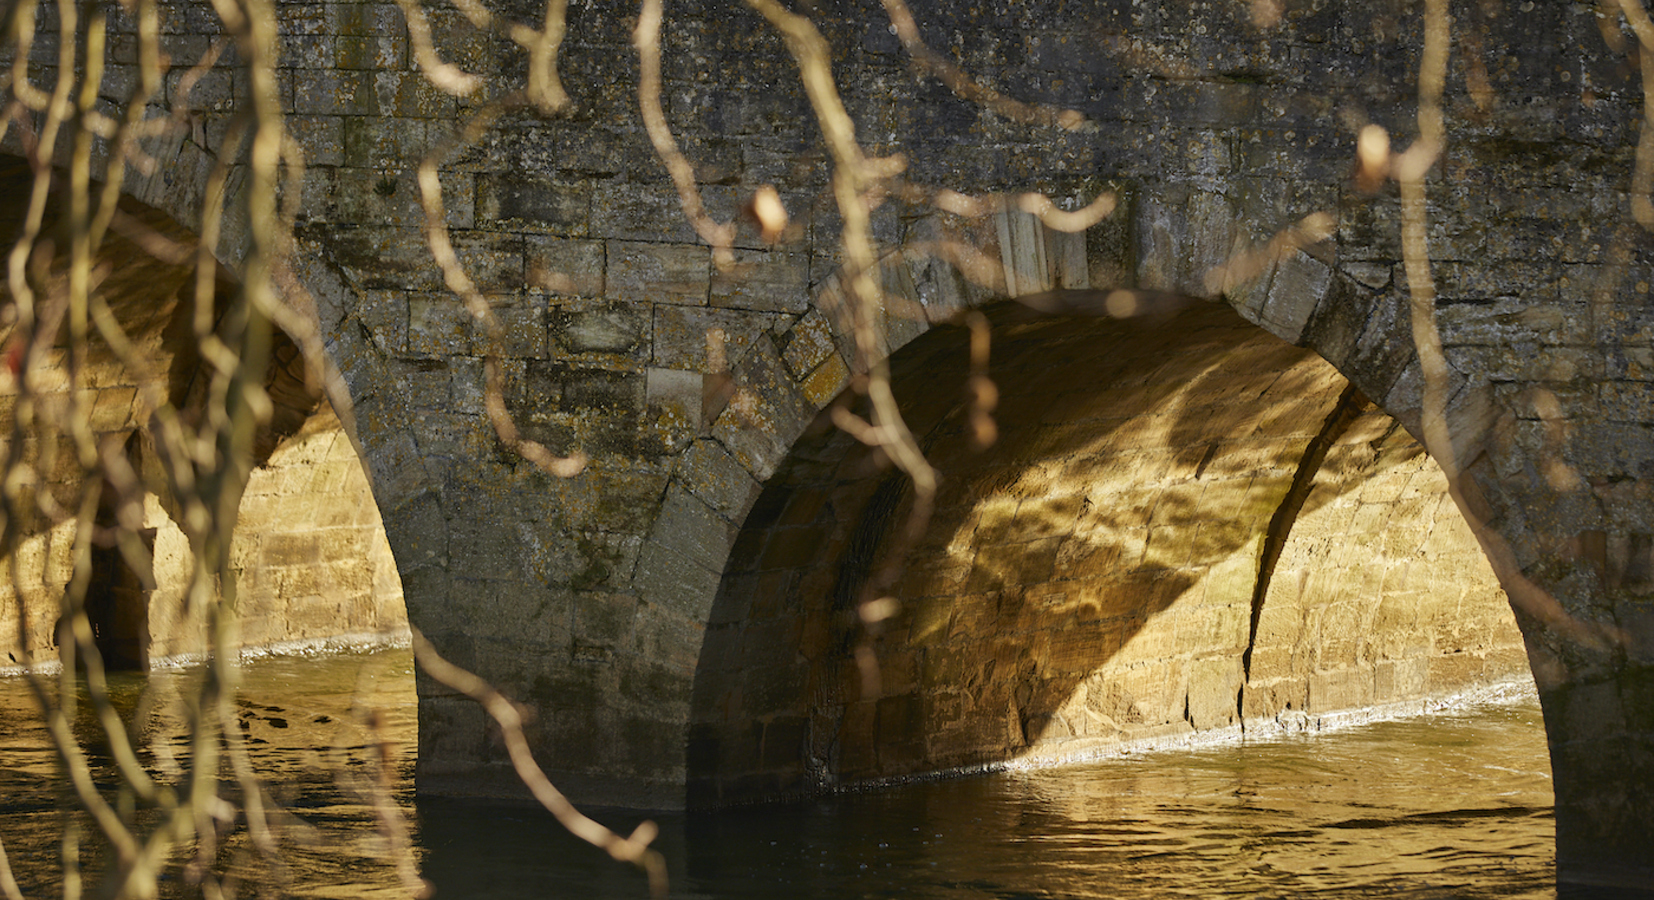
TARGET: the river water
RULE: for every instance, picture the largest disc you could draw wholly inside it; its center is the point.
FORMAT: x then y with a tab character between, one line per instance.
1457	804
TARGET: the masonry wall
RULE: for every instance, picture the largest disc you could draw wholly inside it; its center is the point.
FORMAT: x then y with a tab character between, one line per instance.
311	560
1382	594
587	599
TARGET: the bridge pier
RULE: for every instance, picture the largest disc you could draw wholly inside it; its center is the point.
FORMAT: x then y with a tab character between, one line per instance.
1602	763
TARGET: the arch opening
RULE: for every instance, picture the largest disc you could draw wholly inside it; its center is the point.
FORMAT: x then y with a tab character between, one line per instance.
1097	578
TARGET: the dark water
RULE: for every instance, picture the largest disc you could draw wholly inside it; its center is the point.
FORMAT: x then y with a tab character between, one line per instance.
1453	805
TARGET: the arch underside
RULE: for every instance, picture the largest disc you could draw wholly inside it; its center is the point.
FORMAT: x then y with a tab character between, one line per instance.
1093	578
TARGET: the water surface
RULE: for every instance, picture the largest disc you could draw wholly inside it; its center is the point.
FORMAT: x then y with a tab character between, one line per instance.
1457	804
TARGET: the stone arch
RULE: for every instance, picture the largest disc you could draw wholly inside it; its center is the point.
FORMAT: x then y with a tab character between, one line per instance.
1162	247
628	559
304	480
985	661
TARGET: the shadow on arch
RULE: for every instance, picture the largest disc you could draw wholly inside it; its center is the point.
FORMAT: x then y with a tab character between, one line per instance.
1185	526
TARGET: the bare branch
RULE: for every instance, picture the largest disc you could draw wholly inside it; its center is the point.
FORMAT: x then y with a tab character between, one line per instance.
444	76
1642	179
646	40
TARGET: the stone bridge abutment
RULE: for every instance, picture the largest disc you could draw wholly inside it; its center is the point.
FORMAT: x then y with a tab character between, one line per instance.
1211	513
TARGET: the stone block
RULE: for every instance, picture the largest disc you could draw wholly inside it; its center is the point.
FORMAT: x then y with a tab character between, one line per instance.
460	43
336	93
1214	691
375	51
673	400
561	207
652	212
564	267
1336	325
1404	679
1183	235
365	19
771	281
521	321
387	144
1383	349
597	329
656	688
321	137
1339	689
688	526
1508	322
605	620
706	340
394	258
111	409
390	197
807	344
659	273
667	579
827	381
305	51
494	262
589	389
438	325
710	473
409	94
1022	253
672	636
766	415
1299	283
415	526
219	89
308	19
1262	701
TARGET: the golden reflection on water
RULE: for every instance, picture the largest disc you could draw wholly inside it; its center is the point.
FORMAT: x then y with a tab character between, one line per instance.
1455	805
304	720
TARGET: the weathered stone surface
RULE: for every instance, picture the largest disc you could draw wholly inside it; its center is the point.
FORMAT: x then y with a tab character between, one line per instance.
707	340
659	273
768	281
565	267
563	209
1238	134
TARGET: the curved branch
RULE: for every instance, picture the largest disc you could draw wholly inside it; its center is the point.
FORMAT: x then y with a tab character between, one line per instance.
634	849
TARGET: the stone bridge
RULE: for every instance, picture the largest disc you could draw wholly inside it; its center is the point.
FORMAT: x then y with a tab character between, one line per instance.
1209	514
